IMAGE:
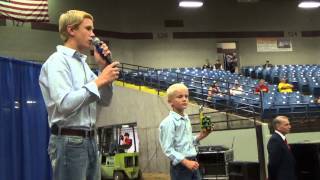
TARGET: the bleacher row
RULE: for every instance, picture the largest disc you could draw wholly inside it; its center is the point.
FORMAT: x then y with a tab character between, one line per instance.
305	78
198	81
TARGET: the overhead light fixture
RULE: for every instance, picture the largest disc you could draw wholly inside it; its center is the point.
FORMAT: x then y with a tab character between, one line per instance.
248	1
190	4
308	4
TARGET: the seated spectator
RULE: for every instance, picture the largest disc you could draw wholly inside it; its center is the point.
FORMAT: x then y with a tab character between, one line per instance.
126	141
236	90
261	87
267	64
284	87
205	66
213	90
317	100
218	65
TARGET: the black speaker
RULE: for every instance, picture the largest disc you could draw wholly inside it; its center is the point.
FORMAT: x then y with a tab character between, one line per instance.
307	156
212	164
242	170
213	160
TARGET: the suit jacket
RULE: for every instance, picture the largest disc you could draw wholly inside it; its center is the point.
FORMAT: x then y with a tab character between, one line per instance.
281	160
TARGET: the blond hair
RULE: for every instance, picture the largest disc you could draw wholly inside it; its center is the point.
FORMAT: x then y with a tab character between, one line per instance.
173	88
71	18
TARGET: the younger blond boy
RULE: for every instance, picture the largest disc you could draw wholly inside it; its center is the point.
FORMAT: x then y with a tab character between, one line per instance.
176	139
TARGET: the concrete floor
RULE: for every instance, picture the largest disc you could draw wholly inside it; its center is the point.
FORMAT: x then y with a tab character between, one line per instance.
155	176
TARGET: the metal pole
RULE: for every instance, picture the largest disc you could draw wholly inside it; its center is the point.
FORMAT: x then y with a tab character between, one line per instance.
134	139
158	82
261	158
123	77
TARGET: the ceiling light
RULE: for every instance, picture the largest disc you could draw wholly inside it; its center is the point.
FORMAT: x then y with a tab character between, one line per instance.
309	4
190	4
248	1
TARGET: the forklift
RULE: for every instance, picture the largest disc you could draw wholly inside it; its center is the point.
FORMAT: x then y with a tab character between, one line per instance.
116	162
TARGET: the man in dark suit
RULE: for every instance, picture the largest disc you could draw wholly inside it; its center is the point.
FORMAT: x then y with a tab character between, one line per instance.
281	161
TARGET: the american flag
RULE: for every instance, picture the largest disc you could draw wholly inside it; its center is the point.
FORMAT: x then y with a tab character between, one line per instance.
25	10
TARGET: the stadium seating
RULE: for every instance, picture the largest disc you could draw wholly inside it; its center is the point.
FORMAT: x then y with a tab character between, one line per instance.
305	78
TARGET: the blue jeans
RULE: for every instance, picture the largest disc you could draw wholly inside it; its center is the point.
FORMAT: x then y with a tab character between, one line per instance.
180	172
74	158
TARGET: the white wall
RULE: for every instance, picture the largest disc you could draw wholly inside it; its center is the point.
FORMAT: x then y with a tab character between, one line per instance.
26	44
149	16
244	146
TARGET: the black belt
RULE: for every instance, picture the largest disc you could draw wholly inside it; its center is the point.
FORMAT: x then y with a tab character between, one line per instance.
72	132
193	158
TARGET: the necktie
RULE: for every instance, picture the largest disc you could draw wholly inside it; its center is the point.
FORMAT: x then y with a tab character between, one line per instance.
286	142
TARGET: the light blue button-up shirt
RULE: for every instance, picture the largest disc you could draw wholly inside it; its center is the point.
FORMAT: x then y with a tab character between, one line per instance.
69	91
176	138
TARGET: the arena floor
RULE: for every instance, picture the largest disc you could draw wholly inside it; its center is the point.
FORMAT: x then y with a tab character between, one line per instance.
155	176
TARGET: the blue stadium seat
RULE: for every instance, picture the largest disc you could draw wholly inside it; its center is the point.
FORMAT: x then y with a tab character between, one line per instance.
316	91
281	103
305	78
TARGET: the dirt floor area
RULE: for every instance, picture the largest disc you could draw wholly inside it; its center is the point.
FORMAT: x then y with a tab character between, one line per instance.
155	176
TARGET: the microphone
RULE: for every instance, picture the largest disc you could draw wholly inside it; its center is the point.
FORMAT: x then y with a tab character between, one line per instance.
97	43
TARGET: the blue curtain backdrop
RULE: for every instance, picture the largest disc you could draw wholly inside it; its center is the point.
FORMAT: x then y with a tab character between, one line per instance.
24	130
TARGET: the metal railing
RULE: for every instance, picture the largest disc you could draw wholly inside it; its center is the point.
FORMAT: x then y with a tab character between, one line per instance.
160	80
247	103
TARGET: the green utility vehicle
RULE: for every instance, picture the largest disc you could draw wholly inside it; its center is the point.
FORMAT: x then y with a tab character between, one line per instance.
116	163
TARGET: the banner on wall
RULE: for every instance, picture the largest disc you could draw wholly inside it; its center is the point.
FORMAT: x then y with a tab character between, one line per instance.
274	45
25	10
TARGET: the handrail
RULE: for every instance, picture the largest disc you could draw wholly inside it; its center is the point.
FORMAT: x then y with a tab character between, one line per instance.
198	84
